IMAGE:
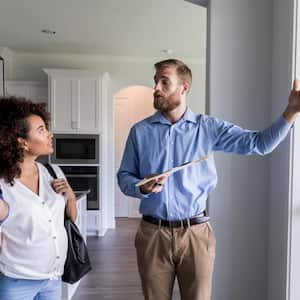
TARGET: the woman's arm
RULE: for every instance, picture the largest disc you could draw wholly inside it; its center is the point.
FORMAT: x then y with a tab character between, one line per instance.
62	186
3	208
71	206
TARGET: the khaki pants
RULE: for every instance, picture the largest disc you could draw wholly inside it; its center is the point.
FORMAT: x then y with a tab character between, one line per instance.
164	253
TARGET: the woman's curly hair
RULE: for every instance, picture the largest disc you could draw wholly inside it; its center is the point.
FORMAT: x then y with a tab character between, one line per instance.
14	112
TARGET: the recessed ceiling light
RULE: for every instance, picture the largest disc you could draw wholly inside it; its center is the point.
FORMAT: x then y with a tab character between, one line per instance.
167	51
48	31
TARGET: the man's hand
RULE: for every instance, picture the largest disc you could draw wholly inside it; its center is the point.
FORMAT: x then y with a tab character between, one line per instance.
153	186
293	107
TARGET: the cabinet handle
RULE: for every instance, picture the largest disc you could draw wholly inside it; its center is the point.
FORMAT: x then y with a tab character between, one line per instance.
74	125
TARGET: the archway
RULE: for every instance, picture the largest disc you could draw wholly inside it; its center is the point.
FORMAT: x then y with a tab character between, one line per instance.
131	105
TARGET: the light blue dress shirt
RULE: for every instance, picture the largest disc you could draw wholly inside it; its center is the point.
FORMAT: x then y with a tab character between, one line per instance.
155	145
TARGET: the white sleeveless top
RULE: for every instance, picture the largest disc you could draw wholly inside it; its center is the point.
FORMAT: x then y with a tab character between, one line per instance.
34	241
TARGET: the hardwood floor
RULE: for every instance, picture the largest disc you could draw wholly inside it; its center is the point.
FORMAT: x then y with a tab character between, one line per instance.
114	275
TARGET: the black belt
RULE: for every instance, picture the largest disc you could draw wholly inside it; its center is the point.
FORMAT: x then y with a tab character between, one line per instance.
177	223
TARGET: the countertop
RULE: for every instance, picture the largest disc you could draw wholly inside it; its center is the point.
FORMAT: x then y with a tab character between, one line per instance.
80	194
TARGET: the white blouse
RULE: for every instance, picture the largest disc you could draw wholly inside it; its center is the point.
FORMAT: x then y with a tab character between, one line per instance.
34	241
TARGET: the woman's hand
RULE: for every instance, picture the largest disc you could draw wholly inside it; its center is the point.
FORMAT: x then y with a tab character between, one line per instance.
61	186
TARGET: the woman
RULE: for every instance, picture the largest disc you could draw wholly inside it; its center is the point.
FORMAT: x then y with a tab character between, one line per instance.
32	205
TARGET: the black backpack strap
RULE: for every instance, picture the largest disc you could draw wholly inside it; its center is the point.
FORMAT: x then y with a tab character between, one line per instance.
50	170
53	174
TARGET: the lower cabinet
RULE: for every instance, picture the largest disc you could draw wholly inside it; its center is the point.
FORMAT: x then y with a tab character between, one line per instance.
94	224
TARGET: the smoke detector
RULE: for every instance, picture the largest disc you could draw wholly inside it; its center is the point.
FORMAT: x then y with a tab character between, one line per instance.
48	31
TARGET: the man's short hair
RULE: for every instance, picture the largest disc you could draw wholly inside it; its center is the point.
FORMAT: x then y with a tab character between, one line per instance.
183	71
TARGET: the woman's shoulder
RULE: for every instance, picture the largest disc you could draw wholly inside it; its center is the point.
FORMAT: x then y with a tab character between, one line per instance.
58	171
3	183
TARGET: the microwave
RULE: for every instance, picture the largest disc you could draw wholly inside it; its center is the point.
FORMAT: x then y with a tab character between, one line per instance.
75	149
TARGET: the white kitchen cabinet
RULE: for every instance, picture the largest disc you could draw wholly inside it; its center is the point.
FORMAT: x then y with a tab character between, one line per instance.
80	102
37	91
75	100
94	223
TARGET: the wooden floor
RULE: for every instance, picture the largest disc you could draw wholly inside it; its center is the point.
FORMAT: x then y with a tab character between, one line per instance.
114	275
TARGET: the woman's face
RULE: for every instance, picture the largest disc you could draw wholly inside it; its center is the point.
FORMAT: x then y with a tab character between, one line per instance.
39	139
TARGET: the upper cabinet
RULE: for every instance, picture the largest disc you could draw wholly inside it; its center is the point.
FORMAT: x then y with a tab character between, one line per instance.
75	100
36	91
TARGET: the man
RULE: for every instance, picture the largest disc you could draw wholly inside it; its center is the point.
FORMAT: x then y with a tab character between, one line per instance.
174	238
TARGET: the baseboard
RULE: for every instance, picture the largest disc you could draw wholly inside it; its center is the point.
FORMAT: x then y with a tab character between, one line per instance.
101	232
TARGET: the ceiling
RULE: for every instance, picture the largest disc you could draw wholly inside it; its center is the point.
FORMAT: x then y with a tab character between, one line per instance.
108	27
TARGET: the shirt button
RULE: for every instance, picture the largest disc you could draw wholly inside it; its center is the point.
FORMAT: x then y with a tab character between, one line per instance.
43	202
49	220
54	237
57	257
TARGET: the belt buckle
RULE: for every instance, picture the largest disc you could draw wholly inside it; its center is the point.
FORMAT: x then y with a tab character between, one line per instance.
172	224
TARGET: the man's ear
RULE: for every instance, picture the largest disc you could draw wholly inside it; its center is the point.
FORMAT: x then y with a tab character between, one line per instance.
23	143
186	88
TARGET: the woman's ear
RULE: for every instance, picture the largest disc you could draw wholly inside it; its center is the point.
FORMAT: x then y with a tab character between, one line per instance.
23	143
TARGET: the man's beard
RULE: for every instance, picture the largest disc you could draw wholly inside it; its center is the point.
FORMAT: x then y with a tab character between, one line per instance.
166	104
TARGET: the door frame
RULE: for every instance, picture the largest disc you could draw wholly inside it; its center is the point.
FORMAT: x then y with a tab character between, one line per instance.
293	238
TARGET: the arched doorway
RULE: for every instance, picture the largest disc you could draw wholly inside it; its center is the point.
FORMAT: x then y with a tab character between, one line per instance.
131	105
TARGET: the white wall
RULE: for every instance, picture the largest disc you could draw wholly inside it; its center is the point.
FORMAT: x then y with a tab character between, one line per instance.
124	71
131	105
240	91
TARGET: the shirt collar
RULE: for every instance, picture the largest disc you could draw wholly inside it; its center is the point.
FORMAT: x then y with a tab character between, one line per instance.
159	118
190	116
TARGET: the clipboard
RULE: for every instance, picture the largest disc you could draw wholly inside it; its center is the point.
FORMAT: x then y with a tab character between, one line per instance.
173	170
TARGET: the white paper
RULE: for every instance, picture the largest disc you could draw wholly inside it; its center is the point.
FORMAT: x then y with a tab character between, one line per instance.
173	170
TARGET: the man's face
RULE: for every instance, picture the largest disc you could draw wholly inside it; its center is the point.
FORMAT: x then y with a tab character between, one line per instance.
169	90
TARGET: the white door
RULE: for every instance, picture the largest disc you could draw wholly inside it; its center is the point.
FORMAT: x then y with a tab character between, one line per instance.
130	106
